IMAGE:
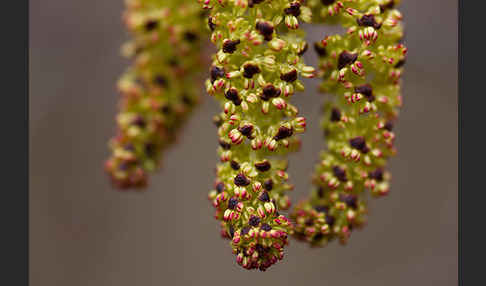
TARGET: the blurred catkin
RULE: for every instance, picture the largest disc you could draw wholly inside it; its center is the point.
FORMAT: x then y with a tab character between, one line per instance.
160	89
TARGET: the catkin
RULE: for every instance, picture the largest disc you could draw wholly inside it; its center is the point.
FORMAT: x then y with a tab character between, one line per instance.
254	73
362	68
160	89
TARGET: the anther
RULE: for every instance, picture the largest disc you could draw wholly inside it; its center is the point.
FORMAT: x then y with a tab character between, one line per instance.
263	166
151	25
265	227
294	9
268	185
346	58
234	165
232	94
365	90
377	174
220	187
327	2
265	29
335	115
320	49
254	221
216	72
283	132
241	180
229	46
270	91
339	173
264	197
289	77
250	70
368	21
232	202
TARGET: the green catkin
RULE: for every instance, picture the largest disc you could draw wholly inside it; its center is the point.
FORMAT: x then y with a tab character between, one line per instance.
254	73
158	91
362	68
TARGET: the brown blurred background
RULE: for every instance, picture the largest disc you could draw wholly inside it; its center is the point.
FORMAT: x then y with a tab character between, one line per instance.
85	233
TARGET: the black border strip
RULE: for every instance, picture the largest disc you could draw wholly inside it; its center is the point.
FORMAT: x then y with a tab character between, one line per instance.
472	111
14	143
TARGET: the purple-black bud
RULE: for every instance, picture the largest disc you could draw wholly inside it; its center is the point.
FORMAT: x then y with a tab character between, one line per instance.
321	209
265	29
216	72
229	46
211	24
250	70
320	49
253	2
246	130
264	197
283	132
389	125
304	49
339	173
254	221
150	149
232	202
232	94
245	230
191	36
151	25
400	63
327	2
234	165
389	5
289	77
346	58
365	90
225	145
359	143
139	121
368	20
330	220
160	80
335	115
294	9
241	180
350	200
263	166
377	174
265	227
270	91
220	187
268	185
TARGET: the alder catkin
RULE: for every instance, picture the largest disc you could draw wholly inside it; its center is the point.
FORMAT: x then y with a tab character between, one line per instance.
254	73
160	89
362	68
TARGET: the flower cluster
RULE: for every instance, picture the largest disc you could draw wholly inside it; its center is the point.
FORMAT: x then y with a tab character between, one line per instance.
254	73
362	68
158	91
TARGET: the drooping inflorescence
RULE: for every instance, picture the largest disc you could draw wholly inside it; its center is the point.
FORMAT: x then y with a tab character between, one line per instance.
254	72
362	68
158	91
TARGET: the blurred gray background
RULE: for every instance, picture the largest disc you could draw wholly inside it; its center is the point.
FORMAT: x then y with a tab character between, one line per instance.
83	233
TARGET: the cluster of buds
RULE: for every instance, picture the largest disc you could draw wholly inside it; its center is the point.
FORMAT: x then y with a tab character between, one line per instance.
253	74
158	90
362	68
